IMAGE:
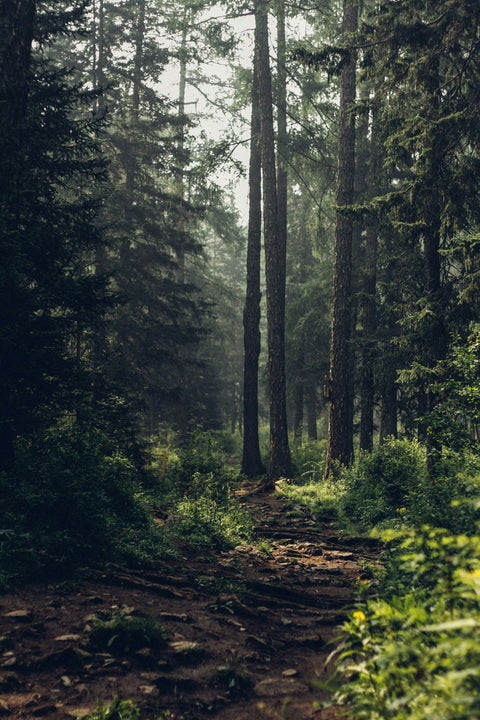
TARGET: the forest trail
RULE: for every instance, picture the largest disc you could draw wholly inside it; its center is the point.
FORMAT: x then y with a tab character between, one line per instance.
247	631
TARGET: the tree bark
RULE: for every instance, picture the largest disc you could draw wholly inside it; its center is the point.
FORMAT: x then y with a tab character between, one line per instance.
388	416
299	391
367	382
311	407
338	451
282	141
275	262
251	461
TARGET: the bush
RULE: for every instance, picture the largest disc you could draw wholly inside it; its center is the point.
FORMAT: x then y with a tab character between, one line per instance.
209	523
66	501
308	460
121	634
200	465
381	484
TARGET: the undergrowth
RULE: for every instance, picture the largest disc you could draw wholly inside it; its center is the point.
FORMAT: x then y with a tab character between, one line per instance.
71	499
120	709
410	648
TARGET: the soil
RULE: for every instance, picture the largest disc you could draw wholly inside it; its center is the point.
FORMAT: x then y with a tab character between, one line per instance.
248	633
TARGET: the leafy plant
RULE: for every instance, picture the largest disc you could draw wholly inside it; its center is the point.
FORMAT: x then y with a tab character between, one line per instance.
123	633
123	710
234	678
414	652
117	710
207	522
308	459
381	482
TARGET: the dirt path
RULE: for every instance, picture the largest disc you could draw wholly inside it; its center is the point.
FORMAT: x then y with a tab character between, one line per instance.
247	631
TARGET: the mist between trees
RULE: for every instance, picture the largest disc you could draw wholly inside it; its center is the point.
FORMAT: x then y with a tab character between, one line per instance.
137	296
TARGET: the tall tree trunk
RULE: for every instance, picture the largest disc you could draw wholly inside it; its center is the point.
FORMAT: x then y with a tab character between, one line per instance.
388	414
99	83
435	337
16	34
182	408
311	407
282	140
275	261
367	381
251	461
388	366
299	391
338	451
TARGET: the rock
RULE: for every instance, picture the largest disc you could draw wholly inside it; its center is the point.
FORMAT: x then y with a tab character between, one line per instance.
24	700
186	651
182	646
20	615
128	609
149	690
55	604
180	617
79	712
94	600
68	658
6	643
273	687
315	642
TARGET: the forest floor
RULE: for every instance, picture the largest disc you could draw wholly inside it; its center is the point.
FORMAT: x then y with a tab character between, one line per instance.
247	632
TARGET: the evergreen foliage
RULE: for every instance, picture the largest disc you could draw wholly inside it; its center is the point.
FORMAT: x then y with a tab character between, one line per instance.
67	499
50	300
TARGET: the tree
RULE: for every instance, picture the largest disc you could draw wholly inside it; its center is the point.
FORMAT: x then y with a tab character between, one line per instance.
427	74
275	261
252	464
338	430
369	339
50	299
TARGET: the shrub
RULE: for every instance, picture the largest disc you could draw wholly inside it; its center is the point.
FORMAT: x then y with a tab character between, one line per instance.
200	464
383	482
308	460
66	501
121	633
207	522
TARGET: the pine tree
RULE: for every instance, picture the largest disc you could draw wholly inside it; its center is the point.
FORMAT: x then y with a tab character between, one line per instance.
251	460
429	71
339	431
50	300
275	261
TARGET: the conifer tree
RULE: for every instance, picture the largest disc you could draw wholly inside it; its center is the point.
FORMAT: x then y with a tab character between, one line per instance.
339	431
50	300
275	261
428	70
251	460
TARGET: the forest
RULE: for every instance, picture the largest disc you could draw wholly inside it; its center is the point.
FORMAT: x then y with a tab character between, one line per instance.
240	359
